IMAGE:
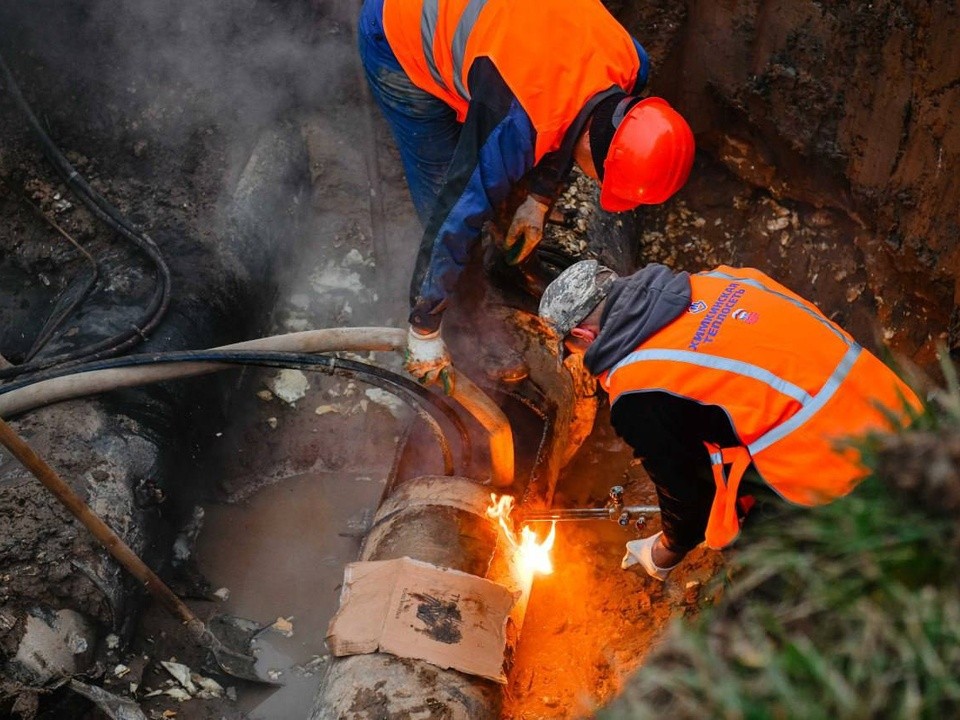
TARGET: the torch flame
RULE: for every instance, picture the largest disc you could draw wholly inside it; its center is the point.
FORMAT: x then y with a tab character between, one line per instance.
534	556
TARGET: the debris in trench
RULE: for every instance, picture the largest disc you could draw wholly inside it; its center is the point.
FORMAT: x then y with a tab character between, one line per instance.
314	665
388	400
191	684
289	385
54	645
283	626
113	706
185	544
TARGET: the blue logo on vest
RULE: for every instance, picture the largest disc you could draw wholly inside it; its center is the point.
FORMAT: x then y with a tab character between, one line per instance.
719	311
697	307
747	316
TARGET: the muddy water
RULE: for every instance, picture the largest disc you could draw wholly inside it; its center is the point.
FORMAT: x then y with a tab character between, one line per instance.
281	555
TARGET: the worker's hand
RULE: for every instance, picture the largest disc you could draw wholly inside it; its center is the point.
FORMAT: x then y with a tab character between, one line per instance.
641	551
526	230
426	359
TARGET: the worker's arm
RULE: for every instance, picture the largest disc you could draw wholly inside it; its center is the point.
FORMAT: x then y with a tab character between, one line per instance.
667	433
495	150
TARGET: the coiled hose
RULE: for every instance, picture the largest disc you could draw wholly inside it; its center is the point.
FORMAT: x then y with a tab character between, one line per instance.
104	211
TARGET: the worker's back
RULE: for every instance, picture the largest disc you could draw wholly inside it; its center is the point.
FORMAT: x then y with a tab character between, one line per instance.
554	55
796	387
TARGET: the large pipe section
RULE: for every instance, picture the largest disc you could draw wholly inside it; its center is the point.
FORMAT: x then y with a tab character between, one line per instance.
441	521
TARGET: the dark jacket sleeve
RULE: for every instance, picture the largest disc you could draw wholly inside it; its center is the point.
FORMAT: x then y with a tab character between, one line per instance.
667	433
495	150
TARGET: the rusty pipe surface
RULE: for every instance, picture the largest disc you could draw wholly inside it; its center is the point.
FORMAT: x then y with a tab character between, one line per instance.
491	417
441	521
359	339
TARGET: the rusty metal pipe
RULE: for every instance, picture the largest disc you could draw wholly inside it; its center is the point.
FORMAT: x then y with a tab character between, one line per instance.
441	521
491	417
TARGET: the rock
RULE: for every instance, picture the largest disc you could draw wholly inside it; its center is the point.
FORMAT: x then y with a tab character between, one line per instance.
289	385
54	645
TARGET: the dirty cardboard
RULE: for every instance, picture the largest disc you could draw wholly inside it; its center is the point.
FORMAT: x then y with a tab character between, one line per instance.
416	610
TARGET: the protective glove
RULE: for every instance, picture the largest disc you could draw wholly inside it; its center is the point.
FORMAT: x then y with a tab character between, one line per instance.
641	551
526	230
426	359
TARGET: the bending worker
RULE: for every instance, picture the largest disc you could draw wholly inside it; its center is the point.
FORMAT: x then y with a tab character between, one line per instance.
714	373
483	94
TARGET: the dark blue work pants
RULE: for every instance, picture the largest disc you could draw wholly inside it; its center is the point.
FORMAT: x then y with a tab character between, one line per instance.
425	128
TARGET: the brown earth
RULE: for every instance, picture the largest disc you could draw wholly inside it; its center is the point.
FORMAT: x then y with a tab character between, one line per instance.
827	158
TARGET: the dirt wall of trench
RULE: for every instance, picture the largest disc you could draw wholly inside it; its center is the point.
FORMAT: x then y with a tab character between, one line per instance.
846	107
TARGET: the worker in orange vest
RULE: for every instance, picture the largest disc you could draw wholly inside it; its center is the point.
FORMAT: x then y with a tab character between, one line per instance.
484	94
715	373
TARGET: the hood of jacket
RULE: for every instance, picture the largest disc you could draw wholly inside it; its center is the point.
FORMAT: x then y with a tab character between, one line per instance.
636	308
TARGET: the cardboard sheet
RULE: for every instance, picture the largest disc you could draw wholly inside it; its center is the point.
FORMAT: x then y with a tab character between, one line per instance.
417	610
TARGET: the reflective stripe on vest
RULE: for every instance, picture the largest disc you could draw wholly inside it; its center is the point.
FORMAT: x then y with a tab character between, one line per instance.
723	525
810	403
464	27
554	56
428	31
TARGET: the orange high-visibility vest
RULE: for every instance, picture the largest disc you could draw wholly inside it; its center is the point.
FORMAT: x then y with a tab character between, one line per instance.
554	55
795	386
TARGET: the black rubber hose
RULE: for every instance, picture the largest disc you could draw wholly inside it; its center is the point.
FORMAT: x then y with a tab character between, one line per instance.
409	391
58	317
159	301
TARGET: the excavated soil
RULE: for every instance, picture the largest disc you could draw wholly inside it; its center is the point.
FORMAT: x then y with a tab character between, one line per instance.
870	239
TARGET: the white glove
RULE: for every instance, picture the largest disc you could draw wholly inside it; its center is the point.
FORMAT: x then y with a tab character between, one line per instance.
426	359
641	551
526	230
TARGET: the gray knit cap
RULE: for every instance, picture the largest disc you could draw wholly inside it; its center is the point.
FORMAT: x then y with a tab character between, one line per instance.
574	294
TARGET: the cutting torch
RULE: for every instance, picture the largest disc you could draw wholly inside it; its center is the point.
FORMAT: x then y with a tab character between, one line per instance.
614	509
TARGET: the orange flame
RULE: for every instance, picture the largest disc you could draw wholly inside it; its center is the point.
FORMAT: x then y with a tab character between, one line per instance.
534	556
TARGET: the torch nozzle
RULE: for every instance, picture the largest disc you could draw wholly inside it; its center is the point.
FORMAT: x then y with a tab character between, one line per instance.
613	510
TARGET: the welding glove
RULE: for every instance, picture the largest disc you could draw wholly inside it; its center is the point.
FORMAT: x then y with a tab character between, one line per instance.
641	551
426	359
526	230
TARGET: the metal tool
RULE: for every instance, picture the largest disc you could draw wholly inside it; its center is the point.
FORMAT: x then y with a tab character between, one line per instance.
233	662
614	509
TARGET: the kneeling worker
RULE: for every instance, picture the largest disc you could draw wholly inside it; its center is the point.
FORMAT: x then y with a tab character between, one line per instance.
713	373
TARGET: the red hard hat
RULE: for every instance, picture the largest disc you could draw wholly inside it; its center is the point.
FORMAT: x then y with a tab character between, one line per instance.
649	158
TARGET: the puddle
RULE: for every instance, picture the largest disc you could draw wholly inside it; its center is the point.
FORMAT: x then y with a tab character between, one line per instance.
281	554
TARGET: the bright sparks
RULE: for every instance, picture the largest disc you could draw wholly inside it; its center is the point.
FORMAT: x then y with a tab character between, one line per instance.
534	556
